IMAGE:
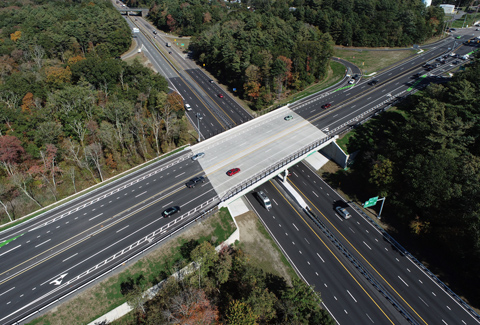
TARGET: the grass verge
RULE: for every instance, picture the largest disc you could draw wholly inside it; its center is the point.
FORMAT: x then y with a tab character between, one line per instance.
373	61
106	295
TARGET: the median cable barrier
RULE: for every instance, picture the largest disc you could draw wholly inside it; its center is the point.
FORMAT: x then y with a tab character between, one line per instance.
359	266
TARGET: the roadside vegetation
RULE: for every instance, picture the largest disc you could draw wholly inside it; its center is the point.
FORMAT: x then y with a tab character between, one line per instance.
424	157
238	285
271	51
71	115
372	61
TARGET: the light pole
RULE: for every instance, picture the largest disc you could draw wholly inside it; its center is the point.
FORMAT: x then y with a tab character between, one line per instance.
199	117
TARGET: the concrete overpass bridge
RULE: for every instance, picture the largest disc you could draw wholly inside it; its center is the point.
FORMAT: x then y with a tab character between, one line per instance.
262	148
142	12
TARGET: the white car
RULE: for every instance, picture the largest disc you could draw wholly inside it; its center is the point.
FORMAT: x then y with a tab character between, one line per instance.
352	81
198	156
188	107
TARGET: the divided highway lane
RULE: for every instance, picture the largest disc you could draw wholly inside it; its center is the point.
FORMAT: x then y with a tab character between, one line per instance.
228	112
426	301
50	252
345	293
210	123
346	97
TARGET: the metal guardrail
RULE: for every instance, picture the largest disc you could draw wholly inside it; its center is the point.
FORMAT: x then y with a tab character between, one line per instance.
403	251
148	240
355	262
272	168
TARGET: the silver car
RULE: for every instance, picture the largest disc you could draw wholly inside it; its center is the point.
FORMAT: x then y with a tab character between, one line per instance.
198	156
343	212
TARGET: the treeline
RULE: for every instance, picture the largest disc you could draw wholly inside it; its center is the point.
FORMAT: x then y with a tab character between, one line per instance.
263	56
349	22
267	50
426	161
225	289
70	114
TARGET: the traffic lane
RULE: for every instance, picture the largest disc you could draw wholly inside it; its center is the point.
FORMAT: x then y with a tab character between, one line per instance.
92	195
298	241
396	270
334	293
210	121
86	254
87	219
233	110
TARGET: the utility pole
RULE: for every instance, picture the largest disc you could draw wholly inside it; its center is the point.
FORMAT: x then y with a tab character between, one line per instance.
199	117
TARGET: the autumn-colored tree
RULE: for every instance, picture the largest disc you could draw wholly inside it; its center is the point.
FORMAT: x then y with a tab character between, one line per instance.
16	35
240	313
191	306
207	17
75	59
252	89
171	23
56	76
27	103
11	151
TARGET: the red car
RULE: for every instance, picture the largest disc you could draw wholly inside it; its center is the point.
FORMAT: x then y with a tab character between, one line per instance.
233	171
220	95
327	105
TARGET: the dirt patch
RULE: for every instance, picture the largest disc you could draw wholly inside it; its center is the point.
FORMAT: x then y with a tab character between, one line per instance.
262	250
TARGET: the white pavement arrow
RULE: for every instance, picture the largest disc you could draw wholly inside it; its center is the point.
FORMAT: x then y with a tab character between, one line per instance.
58	280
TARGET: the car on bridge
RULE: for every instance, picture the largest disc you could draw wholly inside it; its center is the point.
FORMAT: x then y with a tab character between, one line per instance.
288	118
233	171
327	105
170	211
191	183
198	156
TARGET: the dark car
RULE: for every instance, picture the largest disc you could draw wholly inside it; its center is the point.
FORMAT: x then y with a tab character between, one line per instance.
356	77
154	32
452	29
170	211
220	95
373	82
210	81
327	105
191	183
233	171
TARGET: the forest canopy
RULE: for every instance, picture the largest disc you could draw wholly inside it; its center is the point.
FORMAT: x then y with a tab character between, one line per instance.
71	113
426	161
269	49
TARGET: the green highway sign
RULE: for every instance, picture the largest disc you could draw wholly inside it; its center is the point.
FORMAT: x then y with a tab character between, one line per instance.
371	202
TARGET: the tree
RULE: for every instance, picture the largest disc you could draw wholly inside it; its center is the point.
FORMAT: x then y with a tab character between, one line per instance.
240	313
206	256
10	152
191	306
94	155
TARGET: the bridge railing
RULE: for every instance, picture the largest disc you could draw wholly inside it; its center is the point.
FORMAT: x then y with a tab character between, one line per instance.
273	168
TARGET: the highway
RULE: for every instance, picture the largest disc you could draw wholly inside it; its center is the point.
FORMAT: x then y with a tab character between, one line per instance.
345	293
70	246
406	282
